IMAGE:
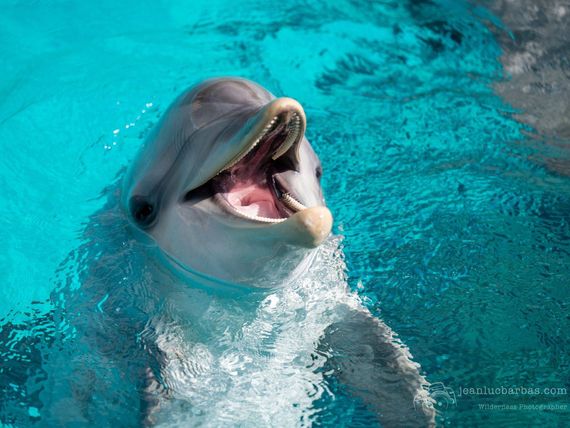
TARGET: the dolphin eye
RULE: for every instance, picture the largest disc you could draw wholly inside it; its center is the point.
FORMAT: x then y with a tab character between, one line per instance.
142	211
319	172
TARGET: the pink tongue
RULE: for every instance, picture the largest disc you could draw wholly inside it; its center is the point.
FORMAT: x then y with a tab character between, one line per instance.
253	199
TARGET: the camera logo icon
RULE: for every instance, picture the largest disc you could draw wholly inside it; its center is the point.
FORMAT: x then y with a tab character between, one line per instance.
435	396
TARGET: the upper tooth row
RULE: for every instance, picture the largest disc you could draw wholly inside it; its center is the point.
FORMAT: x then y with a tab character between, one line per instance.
296	122
266	129
255	143
291	137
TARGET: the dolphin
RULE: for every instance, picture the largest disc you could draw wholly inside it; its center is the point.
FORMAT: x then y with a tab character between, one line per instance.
209	290
228	186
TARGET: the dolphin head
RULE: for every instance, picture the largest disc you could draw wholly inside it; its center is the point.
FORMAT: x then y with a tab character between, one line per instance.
228	186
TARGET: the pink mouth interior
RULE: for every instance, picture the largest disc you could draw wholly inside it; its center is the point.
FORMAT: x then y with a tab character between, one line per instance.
253	198
246	187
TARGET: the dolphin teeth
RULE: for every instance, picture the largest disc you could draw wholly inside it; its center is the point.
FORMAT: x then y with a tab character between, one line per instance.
235	161
259	218
294	129
247	216
292	203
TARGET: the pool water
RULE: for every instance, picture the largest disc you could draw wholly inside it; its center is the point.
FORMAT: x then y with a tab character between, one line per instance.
453	206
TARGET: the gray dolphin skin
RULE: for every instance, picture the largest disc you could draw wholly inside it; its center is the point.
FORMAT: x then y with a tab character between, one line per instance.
228	185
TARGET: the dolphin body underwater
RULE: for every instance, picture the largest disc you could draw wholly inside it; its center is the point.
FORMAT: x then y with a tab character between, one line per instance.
208	290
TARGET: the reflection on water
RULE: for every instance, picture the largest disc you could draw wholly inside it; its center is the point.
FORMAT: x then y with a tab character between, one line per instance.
535	46
443	130
536	59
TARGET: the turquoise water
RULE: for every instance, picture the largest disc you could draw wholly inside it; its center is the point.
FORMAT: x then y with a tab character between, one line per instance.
456	230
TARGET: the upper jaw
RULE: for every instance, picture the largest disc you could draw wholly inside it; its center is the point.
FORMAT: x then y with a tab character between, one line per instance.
281	112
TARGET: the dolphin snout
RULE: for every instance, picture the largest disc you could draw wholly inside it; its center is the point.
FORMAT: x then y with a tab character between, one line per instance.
308	228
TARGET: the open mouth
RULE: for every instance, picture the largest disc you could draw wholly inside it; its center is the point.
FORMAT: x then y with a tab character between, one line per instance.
248	186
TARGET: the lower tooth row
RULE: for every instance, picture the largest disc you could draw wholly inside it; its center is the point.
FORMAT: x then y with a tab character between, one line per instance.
292	203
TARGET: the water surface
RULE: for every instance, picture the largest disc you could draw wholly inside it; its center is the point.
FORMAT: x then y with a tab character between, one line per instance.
452	193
